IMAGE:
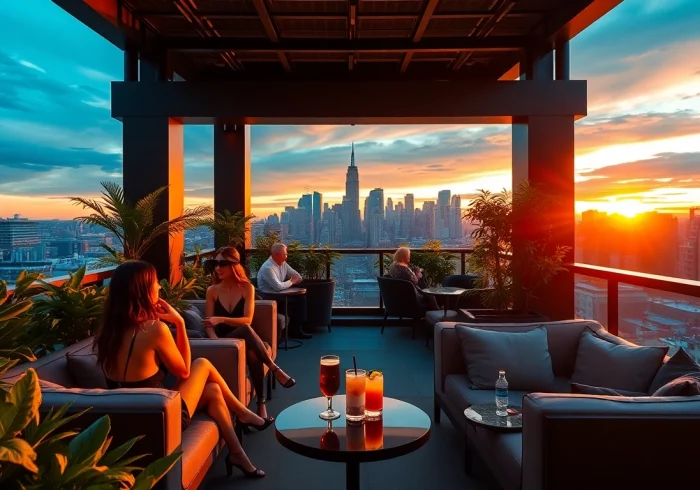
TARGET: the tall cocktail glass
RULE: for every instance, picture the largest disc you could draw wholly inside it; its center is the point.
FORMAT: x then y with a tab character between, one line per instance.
355	394
374	397
374	433
329	381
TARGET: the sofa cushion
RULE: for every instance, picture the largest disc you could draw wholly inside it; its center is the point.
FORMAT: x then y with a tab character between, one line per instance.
84	371
682	386
523	355
48	385
199	443
680	364
194	320
621	367
459	393
581	389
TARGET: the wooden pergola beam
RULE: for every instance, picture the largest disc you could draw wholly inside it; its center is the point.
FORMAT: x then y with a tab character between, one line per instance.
420	30
348	102
435	45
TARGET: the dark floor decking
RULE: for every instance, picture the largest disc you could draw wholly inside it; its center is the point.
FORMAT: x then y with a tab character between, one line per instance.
408	372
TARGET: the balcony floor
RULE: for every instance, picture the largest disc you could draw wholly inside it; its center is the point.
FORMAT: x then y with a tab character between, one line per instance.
408	370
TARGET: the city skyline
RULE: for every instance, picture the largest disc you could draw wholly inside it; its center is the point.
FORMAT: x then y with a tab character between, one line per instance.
638	149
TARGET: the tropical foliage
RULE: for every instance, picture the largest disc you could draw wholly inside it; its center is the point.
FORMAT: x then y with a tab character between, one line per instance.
230	228
15	346
195	270
176	294
513	262
262	248
35	454
311	262
133	224
66	314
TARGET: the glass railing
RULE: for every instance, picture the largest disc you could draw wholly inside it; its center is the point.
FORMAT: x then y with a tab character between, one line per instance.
645	309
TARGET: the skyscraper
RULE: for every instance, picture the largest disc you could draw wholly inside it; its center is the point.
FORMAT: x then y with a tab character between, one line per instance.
442	218
19	238
407	218
374	217
456	217
351	202
317	216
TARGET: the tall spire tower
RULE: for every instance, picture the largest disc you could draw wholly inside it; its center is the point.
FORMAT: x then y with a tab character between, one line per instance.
352	226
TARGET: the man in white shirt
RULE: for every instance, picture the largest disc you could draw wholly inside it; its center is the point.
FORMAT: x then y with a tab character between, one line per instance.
277	275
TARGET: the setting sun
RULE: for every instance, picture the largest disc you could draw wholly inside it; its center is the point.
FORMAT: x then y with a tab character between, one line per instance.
626	207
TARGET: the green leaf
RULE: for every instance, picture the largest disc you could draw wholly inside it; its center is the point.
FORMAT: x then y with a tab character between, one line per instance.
155	471
14	310
19	452
84	448
21	404
115	454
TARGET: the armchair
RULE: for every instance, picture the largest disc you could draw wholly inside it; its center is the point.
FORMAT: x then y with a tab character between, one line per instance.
399	297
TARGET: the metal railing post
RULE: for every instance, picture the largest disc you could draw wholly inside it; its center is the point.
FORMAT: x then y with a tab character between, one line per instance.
613	306
381	273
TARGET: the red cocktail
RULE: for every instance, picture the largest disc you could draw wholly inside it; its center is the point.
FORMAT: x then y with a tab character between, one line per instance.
329	381
374	394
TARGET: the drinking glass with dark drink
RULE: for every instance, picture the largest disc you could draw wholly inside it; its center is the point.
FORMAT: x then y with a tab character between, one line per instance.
329	380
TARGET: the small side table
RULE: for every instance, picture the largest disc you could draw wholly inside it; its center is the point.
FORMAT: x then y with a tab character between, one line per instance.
286	293
446	292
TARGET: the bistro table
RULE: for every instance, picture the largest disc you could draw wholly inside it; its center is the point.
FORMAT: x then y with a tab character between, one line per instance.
286	293
485	416
446	292
402	429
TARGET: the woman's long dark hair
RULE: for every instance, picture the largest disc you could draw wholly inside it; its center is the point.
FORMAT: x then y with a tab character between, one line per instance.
128	303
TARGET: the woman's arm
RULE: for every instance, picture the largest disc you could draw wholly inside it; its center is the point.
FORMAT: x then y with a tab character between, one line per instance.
209	311
175	354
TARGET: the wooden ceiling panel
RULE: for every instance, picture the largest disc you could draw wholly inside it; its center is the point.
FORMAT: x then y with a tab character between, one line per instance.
390	7
309	6
463	6
225	6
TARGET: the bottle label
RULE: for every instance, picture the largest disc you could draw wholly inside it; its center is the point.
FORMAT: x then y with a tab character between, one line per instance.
502	392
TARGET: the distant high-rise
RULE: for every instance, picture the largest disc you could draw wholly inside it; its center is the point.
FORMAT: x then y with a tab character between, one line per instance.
408	217
351	202
456	217
18	239
374	217
317	214
442	218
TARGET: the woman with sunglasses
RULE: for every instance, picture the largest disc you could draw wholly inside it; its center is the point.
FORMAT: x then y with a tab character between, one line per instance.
229	313
134	346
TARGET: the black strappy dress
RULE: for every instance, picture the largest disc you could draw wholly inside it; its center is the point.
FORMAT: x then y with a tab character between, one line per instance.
155	381
219	310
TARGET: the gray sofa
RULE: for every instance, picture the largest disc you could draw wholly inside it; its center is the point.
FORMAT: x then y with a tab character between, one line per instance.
155	413
571	441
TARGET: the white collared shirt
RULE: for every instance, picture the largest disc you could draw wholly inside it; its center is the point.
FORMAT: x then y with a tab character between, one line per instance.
273	277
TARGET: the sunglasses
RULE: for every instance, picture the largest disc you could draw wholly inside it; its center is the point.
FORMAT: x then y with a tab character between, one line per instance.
221	263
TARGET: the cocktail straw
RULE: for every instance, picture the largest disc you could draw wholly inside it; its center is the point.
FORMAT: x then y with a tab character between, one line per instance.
354	363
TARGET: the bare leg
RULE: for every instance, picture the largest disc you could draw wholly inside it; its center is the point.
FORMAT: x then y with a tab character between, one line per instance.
213	401
202	372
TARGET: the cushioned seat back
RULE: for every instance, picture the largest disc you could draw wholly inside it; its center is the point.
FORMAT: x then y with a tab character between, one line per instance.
562	340
53	367
399	297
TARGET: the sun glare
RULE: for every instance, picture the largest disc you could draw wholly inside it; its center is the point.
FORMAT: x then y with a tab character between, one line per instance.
625	207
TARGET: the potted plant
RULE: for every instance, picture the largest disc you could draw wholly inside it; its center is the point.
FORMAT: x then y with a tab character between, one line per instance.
312	264
508	282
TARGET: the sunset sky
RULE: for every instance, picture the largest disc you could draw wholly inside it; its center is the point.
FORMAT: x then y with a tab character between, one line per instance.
638	149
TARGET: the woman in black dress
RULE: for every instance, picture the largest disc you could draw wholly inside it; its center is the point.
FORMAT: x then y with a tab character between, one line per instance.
229	313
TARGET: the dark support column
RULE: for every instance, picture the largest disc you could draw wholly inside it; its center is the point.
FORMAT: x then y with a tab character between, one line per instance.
155	68
538	64
232	171
561	61
153	158
543	153
131	63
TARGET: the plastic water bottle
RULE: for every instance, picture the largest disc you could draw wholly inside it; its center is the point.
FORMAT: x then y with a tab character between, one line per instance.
501	394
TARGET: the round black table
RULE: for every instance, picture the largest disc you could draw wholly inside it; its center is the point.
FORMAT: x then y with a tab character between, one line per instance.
286	293
402	429
447	292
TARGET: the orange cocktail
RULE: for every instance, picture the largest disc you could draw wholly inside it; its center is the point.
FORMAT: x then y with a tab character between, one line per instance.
374	433
374	394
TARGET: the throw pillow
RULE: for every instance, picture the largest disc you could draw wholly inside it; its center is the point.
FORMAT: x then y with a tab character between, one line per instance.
683	386
621	367
194	320
582	389
523	355
84	371
680	364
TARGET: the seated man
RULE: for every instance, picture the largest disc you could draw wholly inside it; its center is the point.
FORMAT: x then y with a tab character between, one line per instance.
276	275
401	270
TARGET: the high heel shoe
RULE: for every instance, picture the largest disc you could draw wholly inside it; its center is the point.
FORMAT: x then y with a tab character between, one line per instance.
287	384
267	422
256	473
